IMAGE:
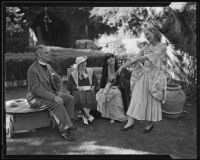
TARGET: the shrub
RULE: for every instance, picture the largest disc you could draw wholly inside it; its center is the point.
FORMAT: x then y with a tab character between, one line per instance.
16	65
16	44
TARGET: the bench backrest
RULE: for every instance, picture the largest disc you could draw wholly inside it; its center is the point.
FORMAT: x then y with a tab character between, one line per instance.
97	71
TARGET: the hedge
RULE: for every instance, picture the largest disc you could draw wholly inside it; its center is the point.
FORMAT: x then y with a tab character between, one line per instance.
16	44
16	65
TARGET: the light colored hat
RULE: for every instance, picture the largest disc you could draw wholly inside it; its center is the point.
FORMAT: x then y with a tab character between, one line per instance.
80	60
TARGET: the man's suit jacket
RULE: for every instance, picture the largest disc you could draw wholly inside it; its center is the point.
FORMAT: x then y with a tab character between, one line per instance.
41	83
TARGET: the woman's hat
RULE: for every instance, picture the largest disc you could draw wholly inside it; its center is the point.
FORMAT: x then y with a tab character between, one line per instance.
80	60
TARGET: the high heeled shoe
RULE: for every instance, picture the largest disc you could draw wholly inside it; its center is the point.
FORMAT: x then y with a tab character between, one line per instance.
149	129
127	128
91	118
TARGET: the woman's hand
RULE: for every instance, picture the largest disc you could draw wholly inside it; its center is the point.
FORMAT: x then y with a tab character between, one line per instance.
80	88
92	88
135	59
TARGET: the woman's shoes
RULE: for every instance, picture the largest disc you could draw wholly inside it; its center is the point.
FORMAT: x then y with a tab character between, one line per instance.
84	120
91	118
127	128
147	130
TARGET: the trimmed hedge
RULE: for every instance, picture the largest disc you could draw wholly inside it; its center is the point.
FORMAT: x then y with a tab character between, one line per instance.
17	43
16	65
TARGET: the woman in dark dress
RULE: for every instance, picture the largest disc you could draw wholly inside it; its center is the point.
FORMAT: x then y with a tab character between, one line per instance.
110	99
82	85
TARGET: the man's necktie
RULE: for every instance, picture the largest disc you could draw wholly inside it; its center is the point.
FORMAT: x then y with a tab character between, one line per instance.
44	67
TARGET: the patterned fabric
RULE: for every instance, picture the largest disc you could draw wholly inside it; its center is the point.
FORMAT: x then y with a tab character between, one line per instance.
84	99
150	86
110	104
135	76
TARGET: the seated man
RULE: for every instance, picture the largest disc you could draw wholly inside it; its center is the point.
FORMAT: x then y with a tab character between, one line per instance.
44	91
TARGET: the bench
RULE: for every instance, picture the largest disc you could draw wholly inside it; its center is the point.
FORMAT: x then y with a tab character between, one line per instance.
20	116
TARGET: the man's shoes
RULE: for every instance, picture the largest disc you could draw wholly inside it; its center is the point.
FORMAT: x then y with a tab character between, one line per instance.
91	118
147	130
127	128
73	128
67	137
84	120
66	131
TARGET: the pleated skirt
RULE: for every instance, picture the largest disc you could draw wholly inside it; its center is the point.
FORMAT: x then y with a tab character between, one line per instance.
85	99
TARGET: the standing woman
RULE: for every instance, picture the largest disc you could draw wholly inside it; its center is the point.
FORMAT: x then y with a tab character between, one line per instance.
109	97
150	89
82	85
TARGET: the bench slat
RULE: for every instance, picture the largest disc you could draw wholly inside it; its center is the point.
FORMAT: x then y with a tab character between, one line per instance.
21	107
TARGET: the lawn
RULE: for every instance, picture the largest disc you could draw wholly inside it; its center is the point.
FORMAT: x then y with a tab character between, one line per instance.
174	137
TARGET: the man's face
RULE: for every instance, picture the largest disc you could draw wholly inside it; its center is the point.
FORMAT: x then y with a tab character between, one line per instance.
44	54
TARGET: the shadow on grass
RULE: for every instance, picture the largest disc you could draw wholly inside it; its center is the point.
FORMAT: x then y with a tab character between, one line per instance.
172	137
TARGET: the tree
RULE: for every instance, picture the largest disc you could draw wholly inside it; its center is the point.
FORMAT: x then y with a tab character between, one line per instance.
176	22
16	30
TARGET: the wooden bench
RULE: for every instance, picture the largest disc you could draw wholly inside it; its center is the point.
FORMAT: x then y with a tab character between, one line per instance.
19	116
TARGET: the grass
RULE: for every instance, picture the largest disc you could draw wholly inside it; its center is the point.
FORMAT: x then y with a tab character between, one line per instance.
172	137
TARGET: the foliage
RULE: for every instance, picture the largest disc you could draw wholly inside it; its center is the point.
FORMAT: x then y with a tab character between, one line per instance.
16	65
14	20
16	30
126	19
176	23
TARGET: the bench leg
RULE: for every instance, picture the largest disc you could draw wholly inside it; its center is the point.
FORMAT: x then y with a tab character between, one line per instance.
10	126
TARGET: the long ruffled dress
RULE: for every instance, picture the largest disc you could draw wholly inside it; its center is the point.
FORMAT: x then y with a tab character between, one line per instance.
150	88
110	105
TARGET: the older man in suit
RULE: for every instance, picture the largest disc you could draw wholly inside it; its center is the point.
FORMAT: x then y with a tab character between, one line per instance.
45	91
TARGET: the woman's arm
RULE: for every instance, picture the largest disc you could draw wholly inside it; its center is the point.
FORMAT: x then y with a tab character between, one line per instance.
142	58
125	65
71	84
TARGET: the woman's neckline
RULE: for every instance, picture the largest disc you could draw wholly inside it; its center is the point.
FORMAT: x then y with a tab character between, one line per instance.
154	45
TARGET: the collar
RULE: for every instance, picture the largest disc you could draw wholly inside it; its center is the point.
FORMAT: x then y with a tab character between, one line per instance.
42	63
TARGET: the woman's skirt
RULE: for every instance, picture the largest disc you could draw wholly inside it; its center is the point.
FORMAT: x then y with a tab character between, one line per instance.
144	105
84	99
111	105
135	75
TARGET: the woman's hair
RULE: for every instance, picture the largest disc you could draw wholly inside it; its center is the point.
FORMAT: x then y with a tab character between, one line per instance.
156	32
105	68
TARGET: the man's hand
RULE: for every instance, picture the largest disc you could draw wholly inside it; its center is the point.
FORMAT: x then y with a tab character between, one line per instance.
58	100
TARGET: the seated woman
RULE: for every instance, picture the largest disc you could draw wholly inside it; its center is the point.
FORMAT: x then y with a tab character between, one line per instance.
82	85
109	97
